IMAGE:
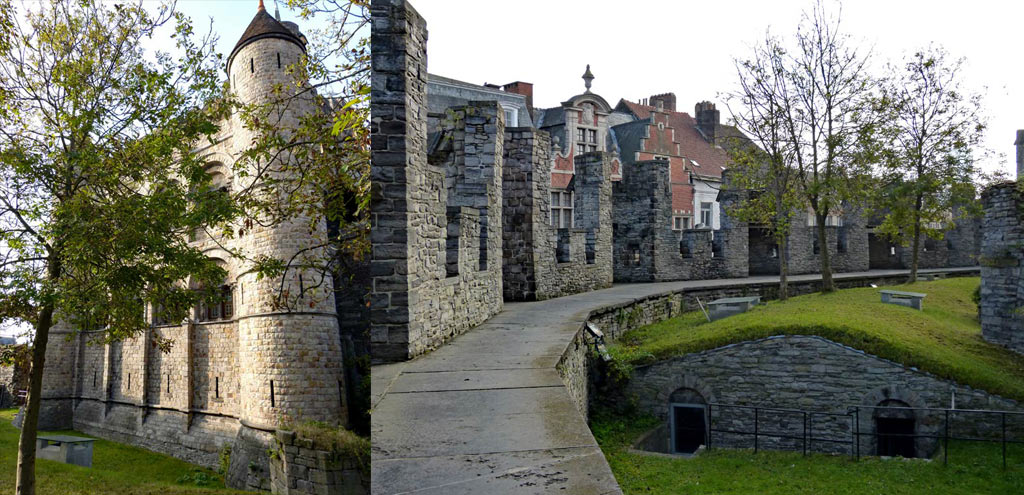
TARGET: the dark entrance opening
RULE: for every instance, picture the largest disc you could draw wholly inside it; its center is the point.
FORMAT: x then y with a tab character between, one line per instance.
763	252
689	428
895	427
882	254
688	420
895	437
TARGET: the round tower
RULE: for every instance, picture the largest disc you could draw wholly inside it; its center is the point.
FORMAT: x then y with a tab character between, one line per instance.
290	358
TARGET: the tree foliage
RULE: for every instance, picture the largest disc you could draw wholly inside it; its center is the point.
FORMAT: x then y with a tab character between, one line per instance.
933	128
99	183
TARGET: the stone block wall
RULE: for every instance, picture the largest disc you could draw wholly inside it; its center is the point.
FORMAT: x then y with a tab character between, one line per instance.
415	306
814	374
646	249
300	467
1002	250
542	262
847	245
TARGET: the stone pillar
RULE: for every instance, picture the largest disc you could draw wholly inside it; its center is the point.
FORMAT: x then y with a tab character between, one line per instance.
398	133
735	233
643	209
1020	154
56	408
526	203
1002	285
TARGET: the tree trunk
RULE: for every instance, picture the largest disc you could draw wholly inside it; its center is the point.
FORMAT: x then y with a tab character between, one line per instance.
783	269
916	243
827	285
25	482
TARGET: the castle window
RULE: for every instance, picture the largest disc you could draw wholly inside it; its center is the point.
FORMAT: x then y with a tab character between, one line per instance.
160	315
706	212
561	209
252	66
219	307
278	60
511	117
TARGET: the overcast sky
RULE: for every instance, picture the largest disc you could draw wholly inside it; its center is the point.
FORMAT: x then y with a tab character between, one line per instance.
642	47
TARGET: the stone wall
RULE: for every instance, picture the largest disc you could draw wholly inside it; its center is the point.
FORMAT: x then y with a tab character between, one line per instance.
13	379
646	249
300	467
814	374
1002	250
417	302
847	245
574	369
542	262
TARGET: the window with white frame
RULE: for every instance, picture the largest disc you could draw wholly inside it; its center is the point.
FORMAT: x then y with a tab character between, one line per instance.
561	209
832	220
680	222
511	117
706	214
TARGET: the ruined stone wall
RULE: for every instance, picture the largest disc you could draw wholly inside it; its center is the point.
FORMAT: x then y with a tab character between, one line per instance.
415	305
847	245
1002	250
299	466
542	262
646	249
815	374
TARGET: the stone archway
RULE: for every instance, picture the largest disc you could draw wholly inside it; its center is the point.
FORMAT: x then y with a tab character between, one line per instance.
886	419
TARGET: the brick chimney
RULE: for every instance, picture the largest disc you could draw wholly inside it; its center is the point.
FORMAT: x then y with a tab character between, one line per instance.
521	88
707	119
1020	154
667	101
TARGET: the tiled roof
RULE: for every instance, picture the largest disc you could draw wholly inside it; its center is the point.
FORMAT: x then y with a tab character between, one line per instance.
711	159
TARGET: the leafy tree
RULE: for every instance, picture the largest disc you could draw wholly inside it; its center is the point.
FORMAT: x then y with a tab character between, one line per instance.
99	183
933	127
768	170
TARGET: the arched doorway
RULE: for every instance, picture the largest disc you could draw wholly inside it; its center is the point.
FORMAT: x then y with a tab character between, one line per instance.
688	420
895	429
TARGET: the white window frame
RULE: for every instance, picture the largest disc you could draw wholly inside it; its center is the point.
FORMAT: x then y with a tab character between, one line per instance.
511	117
560	211
710	211
832	220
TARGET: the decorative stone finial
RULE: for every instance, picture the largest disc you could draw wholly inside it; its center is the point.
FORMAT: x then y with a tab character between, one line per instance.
261	7
588	77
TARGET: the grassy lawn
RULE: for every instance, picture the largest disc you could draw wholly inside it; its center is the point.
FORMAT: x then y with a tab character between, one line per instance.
944	339
117	469
972	469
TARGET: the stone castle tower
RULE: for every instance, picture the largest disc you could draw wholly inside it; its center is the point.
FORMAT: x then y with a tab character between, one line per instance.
234	374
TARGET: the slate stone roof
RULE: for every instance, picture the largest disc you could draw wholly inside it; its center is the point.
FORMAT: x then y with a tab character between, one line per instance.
263	25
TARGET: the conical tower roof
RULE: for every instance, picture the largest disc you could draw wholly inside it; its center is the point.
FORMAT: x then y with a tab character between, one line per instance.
264	25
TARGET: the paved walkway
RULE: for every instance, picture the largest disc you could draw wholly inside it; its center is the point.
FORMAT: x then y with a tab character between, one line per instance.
489	414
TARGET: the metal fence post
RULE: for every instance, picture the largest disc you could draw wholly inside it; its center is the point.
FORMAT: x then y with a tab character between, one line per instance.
1004	440
945	441
756	411
710	432
805	433
856	431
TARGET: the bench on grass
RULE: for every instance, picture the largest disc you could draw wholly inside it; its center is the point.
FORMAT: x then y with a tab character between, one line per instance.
721	308
65	448
908	299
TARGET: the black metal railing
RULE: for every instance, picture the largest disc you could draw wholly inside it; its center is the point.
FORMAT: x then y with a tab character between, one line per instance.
810	434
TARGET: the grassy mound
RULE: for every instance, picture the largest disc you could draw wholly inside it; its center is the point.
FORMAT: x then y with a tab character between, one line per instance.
973	468
944	339
116	468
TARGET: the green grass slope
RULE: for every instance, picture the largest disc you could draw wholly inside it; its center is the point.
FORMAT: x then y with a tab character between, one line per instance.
116	468
944	339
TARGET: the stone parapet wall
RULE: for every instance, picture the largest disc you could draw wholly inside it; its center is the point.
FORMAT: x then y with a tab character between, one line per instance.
430	282
646	249
815	374
1002	250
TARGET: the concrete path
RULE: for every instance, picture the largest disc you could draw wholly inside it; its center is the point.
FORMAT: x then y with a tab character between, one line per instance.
489	414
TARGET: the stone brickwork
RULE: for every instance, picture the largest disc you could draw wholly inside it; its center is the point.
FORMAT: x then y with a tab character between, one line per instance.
646	249
432	280
227	382
847	244
300	467
13	379
815	374
1002	250
542	262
